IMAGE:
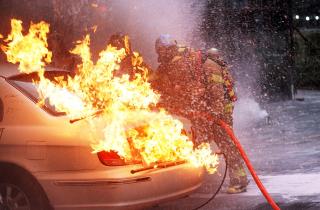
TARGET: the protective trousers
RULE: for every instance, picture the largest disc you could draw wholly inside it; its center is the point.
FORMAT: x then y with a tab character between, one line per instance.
208	131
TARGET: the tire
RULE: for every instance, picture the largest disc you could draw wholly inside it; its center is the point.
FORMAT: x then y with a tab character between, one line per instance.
19	190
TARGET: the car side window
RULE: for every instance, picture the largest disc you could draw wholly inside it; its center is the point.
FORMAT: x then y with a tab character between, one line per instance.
1	110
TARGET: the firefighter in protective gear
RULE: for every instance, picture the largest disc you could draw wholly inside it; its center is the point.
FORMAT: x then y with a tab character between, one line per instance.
174	78
194	82
219	76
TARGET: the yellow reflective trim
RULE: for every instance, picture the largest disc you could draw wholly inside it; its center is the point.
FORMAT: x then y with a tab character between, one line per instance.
176	58
228	108
216	78
181	49
240	172
231	93
227	82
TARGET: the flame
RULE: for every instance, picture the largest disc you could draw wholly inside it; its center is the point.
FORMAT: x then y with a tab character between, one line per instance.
94	28
117	108
29	50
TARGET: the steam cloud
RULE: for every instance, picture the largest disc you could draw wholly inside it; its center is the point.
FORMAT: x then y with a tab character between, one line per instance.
145	20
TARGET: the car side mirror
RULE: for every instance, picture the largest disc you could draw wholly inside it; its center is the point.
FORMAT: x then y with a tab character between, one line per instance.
1	110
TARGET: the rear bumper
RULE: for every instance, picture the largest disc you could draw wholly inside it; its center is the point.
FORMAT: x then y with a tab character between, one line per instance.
101	190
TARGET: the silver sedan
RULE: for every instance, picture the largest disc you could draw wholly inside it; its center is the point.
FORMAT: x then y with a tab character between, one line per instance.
46	161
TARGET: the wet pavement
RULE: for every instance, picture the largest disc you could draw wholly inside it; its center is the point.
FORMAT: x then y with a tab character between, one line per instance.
284	148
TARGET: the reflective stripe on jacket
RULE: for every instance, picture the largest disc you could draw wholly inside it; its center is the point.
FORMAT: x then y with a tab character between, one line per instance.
216	78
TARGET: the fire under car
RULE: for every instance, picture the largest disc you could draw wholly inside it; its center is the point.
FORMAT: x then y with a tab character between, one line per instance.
46	161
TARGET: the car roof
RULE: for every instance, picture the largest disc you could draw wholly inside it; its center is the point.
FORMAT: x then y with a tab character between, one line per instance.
10	70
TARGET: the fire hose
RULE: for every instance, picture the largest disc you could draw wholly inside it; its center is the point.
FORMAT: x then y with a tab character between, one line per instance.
237	143
263	190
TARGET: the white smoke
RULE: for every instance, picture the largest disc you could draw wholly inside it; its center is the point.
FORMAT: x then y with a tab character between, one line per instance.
247	112
247	68
145	20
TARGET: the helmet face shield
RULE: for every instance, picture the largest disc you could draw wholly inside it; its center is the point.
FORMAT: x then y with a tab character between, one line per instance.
166	48
165	40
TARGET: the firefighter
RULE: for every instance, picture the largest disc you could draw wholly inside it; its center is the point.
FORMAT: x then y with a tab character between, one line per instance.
193	84
132	63
218	75
174	77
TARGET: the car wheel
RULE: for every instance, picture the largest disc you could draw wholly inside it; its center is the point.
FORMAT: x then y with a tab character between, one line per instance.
21	192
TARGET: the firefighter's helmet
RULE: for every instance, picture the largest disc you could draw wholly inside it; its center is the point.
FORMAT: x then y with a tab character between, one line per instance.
213	53
166	48
165	41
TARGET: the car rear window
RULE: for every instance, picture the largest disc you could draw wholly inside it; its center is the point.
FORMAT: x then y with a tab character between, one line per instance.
24	83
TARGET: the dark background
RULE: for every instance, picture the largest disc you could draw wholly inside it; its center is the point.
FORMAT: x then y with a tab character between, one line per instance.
262	39
285	49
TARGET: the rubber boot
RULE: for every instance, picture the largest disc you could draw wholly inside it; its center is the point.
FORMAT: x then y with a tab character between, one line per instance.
238	181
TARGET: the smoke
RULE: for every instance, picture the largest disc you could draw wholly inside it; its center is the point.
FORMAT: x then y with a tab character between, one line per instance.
247	69
247	112
145	20
241	52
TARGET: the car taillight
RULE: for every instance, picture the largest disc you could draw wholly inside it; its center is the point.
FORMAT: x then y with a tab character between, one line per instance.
110	158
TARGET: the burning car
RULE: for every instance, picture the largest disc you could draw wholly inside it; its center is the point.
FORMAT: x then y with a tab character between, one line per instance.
45	160
90	139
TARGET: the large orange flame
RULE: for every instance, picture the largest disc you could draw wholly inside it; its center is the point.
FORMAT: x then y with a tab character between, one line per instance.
118	108
29	50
